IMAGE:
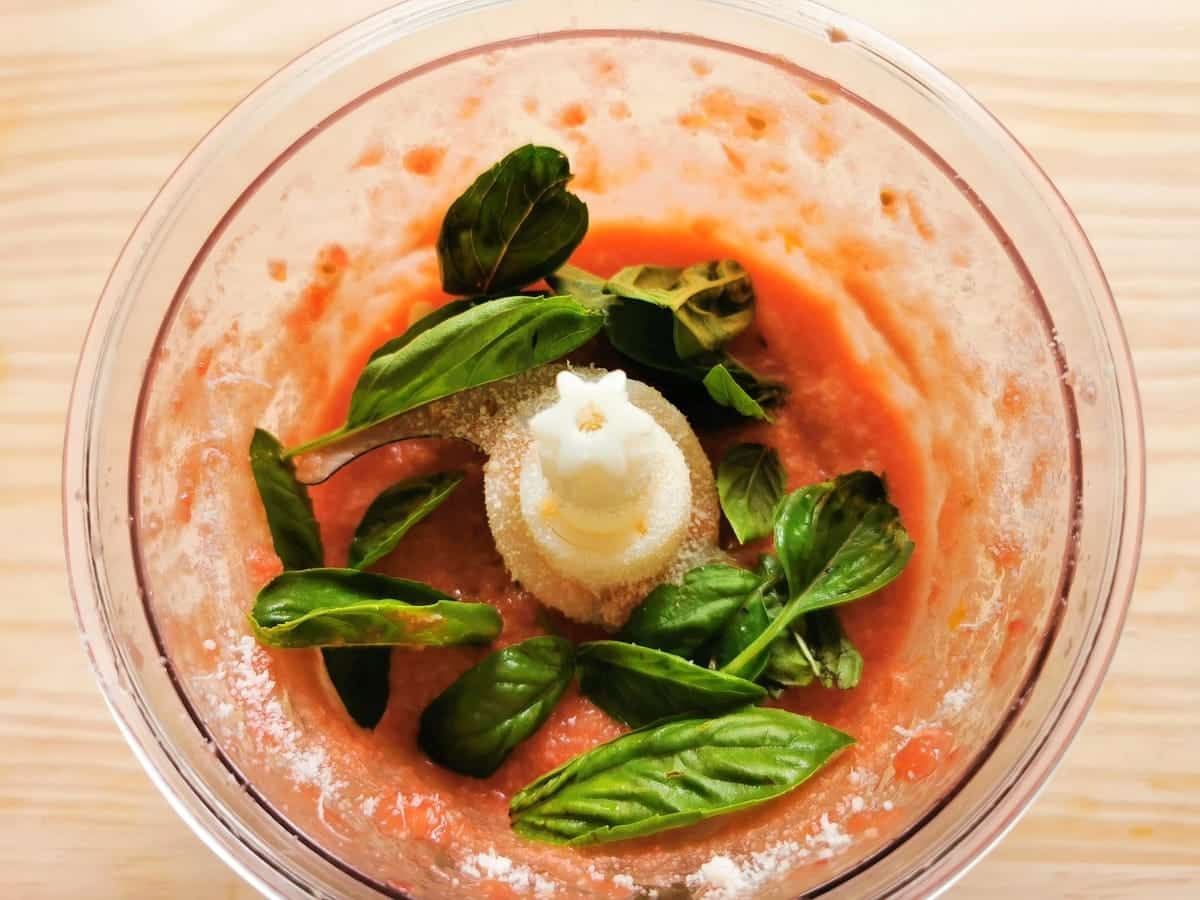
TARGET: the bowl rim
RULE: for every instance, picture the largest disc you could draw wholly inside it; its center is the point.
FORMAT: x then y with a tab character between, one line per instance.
1062	723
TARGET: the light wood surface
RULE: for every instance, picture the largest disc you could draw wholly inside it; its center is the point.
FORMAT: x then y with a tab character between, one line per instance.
99	100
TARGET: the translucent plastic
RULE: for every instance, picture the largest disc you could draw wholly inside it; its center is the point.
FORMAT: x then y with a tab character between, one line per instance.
793	131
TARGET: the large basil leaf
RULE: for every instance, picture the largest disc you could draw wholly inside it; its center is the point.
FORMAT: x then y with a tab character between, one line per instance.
515	224
294	529
394	512
750	483
674	774
476	722
339	607
712	302
487	343
682	618
837	541
638	685
360	677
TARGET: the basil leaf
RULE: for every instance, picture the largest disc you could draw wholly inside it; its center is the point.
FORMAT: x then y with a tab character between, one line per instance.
712	302
747	623
487	343
516	224
338	607
643	332
476	722
294	529
724	389
837	541
394	512
838	662
750	483
360	677
788	662
423	324
674	774
682	618
585	287
359	674
637	685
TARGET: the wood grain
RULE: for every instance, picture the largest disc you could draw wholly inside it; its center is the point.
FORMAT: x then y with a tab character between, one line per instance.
98	101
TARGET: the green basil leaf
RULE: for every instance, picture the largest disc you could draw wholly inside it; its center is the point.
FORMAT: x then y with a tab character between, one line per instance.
643	332
712	302
837	541
674	774
338	607
788	662
681	618
585	287
637	685
838	662
724	389
394	512
294	529
747	623
476	722
515	225
360	677
487	343
750	483
423	324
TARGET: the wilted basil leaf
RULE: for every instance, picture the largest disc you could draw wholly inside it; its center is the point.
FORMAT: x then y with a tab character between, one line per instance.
674	774
750	483
712	302
394	512
838	662
837	541
515	225
339	607
585	287
681	618
723	388
476	722
487	343
294	529
637	685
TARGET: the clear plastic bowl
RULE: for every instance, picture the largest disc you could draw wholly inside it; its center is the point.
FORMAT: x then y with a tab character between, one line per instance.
732	113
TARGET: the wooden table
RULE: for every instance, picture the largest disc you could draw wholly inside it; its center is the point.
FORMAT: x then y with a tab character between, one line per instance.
99	100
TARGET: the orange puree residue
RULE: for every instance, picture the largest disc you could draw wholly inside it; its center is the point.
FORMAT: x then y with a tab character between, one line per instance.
919	758
424	160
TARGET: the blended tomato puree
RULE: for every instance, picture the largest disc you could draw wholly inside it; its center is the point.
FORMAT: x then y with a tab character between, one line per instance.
836	419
